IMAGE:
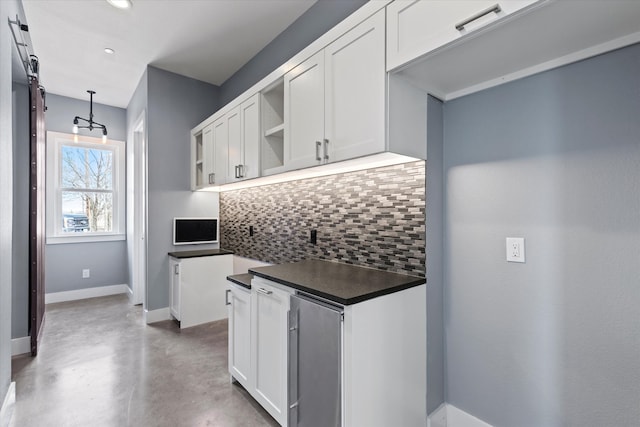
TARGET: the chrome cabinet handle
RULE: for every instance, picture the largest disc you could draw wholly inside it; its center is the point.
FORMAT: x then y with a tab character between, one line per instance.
318	144
237	173
240	171
264	291
176	269
326	149
493	9
212	178
226	297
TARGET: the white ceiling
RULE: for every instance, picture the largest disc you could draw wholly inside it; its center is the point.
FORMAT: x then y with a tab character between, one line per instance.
208	40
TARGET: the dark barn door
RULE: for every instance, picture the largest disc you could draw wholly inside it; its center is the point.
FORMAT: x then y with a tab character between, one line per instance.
36	213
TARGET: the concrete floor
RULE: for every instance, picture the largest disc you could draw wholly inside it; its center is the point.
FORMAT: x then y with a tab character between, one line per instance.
100	365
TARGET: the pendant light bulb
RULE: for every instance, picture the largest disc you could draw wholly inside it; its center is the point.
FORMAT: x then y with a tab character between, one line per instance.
104	139
75	129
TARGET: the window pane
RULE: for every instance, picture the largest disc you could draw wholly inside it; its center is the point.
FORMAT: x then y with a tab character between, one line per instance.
87	212
87	168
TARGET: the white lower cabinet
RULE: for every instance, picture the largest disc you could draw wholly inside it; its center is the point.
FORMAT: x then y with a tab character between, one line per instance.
383	354
269	334
197	288
238	300
258	338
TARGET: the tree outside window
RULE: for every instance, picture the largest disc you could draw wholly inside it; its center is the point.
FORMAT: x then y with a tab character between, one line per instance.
87	189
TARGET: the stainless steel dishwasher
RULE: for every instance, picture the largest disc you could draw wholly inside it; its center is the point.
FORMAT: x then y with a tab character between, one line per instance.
315	362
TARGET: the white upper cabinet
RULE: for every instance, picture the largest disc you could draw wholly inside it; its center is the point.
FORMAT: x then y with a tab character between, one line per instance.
354	119
417	27
218	151
244	140
208	155
334	102
234	144
304	113
250	120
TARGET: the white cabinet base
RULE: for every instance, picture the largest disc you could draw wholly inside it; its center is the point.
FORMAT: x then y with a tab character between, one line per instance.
385	360
198	289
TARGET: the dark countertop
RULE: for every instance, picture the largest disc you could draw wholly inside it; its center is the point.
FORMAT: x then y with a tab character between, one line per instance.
341	283
200	253
241	279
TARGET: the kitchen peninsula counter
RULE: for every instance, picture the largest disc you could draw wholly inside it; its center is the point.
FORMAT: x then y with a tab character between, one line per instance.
337	282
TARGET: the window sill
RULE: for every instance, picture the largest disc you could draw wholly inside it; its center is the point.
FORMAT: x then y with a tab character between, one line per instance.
93	238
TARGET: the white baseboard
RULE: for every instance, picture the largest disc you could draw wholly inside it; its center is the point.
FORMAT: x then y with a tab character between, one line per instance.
20	345
438	418
152	316
99	291
130	294
6	413
448	415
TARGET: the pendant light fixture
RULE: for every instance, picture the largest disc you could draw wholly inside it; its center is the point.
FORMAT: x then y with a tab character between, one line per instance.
90	123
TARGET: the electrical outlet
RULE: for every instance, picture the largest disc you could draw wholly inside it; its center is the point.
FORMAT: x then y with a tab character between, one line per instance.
86	273
515	249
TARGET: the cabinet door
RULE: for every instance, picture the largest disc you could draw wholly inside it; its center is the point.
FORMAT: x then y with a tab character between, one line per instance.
304	113
269	307
416	27
239	300
174	305
208	156
355	92
198	176
234	144
250	119
218	152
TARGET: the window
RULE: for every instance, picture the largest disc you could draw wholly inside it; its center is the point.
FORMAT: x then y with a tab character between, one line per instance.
85	189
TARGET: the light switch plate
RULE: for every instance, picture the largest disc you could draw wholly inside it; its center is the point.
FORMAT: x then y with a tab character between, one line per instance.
86	273
515	249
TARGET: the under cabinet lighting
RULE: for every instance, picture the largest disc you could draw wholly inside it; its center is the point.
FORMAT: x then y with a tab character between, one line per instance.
368	162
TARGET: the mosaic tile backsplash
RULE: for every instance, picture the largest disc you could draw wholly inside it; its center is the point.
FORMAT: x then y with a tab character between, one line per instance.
373	218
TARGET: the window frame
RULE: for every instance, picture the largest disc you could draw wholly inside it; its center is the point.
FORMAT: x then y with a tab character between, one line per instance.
54	233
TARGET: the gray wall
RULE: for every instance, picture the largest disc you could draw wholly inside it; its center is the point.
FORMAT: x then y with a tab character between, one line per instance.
137	106
316	21
20	246
434	254
106	260
8	10
175	105
554	158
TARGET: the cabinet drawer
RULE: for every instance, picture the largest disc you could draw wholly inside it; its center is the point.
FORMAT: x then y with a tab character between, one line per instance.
417	27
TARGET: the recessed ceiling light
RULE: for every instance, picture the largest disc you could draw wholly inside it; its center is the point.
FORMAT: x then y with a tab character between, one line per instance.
109	50
120	4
